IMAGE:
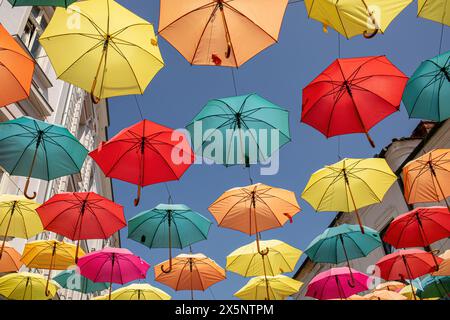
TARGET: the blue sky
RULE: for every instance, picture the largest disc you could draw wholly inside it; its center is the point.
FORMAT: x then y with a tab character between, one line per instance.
179	92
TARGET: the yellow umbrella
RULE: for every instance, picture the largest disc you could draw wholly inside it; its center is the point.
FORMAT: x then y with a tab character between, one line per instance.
407	292
18	218
391	286
27	286
384	295
280	287
435	10
349	185
136	291
50	254
102	47
444	267
355	17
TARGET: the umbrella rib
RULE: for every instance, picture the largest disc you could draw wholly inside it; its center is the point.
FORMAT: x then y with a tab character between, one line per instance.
128	43
203	33
227	31
367	185
21	155
259	120
12	74
335	180
120	159
65	151
178	233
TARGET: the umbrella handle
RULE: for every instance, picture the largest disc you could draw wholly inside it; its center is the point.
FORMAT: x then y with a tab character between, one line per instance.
25	191
166	270
138	199
370	35
228	53
95	100
264	252
372	144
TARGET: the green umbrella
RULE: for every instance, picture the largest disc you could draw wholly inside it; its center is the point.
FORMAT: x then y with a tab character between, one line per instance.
33	148
434	287
72	280
247	129
342	244
42	3
168	226
427	93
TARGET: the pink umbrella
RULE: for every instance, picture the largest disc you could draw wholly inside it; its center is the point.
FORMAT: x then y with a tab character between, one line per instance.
113	265
337	283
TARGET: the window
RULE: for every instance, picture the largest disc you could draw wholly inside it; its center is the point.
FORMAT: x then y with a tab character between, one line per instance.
36	24
386	246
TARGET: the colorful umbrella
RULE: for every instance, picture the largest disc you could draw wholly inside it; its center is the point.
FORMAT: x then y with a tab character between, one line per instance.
41	3
410	292
352	95
50	255
419	228
107	50
18	218
27	286
428	89
190	272
436	10
255	208
407	264
113	265
355	17
424	177
33	148
243	118
444	266
221	32
16	70
10	260
349	185
335	284
434	287
343	243
81	216
384	295
137	291
143	154
391	286
73	280
280	287
168	226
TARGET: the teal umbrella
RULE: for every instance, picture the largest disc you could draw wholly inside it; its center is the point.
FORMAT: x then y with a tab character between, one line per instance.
33	148
427	93
342	244
42	3
239	130
434	287
72	280
168	226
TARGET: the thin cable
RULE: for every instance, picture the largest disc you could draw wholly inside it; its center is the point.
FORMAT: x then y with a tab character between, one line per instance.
442	38
339	137
212	293
250	175
139	107
170	200
6	174
234	82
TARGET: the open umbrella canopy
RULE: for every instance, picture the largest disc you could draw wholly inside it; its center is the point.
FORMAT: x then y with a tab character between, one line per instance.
349	185
355	17
137	291
391	286
337	283
245	118
72	280
280	287
16	70
27	286
436	10
248	262
434	287
10	260
384	295
109	52
343	243
424	178
143	154
419	228
41	3
221	32
444	266
33	148
18	218
428	89
352	95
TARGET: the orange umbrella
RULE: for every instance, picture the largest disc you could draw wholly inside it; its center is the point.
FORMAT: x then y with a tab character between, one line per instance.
10	260
390	286
190	272
425	177
255	208
16	70
221	32
444	266
384	295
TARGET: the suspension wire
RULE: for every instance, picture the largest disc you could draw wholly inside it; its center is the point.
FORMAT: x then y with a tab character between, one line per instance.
339	137
234	82
139	107
170	199
212	293
250	175
6	174
442	38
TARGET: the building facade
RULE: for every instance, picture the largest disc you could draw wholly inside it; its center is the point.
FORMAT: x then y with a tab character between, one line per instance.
426	137
57	102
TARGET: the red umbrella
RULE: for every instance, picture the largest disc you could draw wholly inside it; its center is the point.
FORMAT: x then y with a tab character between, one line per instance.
352	95
419	228
82	216
143	154
407	264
